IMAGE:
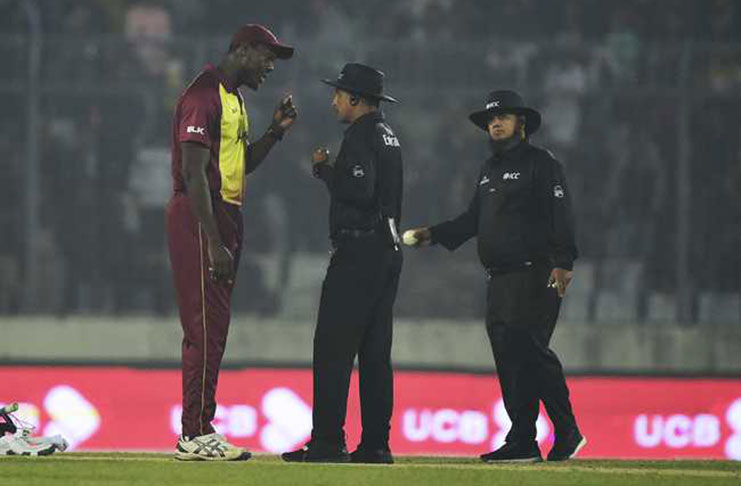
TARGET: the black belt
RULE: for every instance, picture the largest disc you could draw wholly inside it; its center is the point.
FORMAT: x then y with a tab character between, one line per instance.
346	235
353	233
509	267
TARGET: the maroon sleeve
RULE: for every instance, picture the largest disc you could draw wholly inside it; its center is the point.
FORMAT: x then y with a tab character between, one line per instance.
199	115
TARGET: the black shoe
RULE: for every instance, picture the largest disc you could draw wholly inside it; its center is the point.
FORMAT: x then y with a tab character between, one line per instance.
567	448
369	455
317	452
514	452
298	455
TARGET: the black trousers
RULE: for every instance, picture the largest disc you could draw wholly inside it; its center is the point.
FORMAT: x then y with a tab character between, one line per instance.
521	315
355	318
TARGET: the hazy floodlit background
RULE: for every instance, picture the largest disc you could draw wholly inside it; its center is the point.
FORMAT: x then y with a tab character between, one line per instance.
641	102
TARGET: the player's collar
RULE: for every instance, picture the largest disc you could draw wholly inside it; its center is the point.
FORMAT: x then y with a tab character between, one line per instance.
228	85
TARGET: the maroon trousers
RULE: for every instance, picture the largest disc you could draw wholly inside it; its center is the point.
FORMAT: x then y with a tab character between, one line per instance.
204	305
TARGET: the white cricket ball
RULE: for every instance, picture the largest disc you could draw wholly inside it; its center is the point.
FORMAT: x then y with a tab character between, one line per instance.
409	238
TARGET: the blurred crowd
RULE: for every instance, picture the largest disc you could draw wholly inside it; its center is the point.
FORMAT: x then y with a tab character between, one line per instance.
627	89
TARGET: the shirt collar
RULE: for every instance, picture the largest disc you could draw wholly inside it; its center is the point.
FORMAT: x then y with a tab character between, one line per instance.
370	117
511	150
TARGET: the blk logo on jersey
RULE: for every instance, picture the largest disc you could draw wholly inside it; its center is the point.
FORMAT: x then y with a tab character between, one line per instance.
511	176
558	192
196	130
358	172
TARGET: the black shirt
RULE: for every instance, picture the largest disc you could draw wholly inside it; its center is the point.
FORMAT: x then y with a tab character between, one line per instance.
520	211
365	182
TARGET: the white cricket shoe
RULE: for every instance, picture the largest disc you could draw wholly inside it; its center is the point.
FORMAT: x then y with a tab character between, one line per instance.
210	447
16	437
18	445
57	441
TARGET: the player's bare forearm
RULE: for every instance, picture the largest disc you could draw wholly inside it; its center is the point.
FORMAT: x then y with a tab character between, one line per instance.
259	150
283	117
195	158
200	203
221	262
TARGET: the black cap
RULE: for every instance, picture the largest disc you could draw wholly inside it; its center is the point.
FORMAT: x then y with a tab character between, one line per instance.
362	80
505	101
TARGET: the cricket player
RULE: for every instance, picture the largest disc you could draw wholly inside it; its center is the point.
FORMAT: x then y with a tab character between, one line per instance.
211	155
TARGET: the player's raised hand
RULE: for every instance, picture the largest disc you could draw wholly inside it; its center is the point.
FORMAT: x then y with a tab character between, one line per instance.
285	114
417	237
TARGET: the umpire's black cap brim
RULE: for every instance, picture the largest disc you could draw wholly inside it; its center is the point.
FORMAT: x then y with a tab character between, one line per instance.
351	89
482	118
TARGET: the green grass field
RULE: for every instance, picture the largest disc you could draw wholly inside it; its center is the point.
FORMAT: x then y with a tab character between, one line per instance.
160	469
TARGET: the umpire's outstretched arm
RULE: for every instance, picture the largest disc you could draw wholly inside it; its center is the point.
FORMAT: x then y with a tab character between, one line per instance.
453	233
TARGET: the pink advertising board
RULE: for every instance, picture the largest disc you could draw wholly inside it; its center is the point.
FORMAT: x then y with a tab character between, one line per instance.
269	410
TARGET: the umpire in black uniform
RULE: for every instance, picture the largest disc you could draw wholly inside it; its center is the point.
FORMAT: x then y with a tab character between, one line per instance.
521	214
355	311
